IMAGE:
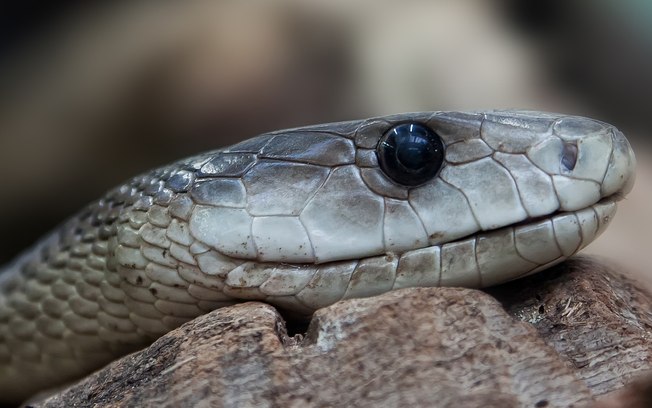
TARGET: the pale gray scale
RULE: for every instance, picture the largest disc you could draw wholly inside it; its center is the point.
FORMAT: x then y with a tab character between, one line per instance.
195	163
80	324
366	158
343	218
128	236
328	285
151	325
221	192
84	307
249	275
568	234
132	276
179	232
622	165
196	276
51	328
206	294
116	324
455	127
547	155
372	276
467	150
23	329
497	257
164	197
35	290
111	292
459	265
435	203
419	117
605	213
402	228
588	222
281	188
419	268
86	288
214	263
281	239
94	273
181	207
287	279
100	248
574	194
131	258
536	242
588	167
318	148
491	191
82	249
369	133
198	248
534	185
227	165
143	203
523	132
164	275
592	157
529	114
154	235
226	229
112	307
25	308
182	253
181	181
171	293
153	187
577	127
378	182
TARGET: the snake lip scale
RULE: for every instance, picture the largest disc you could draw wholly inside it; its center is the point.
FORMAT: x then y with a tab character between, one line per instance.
302	218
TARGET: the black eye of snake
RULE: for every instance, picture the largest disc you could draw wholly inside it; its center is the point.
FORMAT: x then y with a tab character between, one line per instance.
410	153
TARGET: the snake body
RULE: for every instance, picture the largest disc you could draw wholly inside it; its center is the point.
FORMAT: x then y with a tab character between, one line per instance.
300	219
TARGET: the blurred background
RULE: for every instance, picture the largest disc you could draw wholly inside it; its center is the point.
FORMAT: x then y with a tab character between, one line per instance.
92	94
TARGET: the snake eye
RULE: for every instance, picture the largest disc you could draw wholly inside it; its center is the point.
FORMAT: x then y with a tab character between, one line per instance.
410	153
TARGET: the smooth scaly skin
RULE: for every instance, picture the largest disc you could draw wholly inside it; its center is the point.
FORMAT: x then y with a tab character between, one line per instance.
302	218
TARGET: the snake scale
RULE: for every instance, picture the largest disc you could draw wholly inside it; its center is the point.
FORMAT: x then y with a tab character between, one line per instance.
302	218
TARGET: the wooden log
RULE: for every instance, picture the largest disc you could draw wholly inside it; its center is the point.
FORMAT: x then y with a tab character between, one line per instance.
558	339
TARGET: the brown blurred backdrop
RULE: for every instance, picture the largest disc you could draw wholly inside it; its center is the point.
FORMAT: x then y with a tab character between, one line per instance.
91	95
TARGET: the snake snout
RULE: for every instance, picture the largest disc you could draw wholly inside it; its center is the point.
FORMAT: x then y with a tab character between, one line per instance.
620	176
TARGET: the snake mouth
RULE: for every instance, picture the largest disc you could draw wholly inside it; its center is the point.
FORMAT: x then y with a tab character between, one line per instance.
503	254
609	200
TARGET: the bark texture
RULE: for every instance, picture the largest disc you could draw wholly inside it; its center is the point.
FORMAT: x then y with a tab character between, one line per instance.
558	339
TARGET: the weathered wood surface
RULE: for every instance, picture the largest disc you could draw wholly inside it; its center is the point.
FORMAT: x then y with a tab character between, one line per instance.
559	339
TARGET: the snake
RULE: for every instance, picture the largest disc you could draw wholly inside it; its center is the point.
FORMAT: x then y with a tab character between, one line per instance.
303	218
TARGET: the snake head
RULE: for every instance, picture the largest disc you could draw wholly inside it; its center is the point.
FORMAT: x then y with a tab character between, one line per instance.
327	193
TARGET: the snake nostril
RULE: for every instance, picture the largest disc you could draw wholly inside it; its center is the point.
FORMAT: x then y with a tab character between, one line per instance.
569	156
